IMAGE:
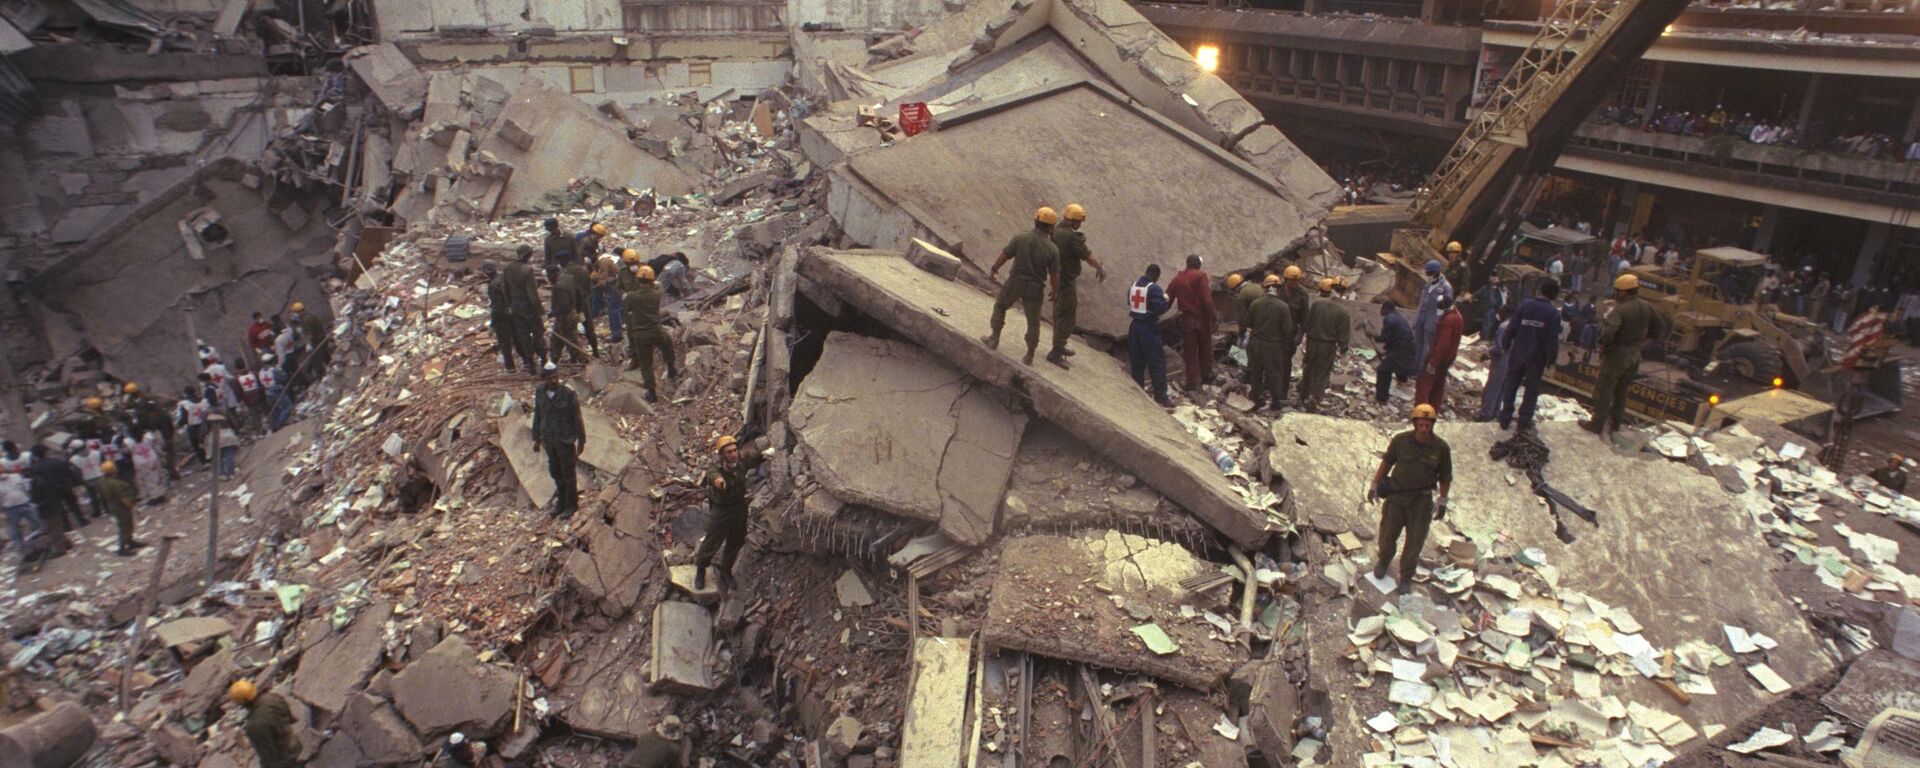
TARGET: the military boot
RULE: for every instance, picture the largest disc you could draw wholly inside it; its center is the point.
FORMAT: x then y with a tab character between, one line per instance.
992	340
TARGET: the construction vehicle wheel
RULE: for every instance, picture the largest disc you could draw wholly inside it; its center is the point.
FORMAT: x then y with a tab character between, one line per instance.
1753	360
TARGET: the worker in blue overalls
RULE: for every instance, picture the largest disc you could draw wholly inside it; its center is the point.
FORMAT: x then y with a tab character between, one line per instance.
1146	353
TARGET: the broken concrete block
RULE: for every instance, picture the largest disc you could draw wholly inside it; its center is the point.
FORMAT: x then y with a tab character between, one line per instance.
611	570
207	684
379	735
395	81
512	133
179	632
600	375
852	591
1098	573
682	641
934	732
485	692
949	463
931	258
629	398
342	660
844	735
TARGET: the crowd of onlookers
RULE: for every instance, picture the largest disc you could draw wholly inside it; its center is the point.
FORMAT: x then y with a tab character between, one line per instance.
1760	130
133	442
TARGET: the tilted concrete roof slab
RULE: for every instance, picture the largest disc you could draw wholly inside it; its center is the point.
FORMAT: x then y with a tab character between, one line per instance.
1096	400
1154	191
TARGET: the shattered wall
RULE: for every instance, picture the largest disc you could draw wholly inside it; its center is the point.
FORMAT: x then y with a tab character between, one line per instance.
870	14
398	18
135	293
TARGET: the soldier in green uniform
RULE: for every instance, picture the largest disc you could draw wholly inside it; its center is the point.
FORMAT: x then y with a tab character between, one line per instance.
1417	464
1246	290
269	725
1329	329
1072	247
1622	333
580	289
641	306
499	313
1294	293
118	498
1036	269
522	287
568	295
726	485
1269	324
92	422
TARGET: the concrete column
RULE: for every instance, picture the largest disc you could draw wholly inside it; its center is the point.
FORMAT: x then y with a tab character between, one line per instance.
1629	191
1769	220
1806	102
1653	88
1913	122
1429	11
1870	250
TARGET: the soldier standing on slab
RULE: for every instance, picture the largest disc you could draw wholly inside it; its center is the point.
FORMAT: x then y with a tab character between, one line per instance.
1417	464
1036	269
559	430
118	498
1294	292
522	287
499	313
1072	246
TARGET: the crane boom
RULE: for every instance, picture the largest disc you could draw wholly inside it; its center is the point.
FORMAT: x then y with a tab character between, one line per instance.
1580	49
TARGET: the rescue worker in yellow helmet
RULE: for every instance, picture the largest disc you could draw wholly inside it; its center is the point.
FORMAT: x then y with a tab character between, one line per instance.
1072	247
644	332
1036	271
726	486
1329	331
269	727
1626	328
1417	464
1269	324
1293	291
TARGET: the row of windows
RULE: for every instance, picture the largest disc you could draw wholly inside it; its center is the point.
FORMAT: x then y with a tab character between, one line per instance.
1328	68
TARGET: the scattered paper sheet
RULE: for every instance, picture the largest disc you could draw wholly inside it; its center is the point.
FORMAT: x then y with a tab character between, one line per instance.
1770	680
1765	738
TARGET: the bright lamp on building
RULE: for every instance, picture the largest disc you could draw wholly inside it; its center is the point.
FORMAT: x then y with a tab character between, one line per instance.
1208	57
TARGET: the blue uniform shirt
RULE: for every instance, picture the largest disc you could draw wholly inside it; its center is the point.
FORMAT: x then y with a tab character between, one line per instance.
1533	336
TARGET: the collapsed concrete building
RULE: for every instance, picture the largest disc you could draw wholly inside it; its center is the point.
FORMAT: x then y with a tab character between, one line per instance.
956	559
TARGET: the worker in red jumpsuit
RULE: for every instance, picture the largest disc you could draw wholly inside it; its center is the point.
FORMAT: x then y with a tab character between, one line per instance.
1431	385
1192	291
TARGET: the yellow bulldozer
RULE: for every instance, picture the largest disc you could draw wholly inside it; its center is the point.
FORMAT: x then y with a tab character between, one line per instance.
1714	316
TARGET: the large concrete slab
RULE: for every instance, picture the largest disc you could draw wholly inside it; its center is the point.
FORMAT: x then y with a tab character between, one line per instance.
1062	483
606	451
399	85
1672	549
570	140
682	643
1154	191
1080	599
886	425
934	732
341	661
450	689
1096	401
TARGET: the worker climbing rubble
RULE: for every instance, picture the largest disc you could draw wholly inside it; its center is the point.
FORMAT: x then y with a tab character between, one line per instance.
726	486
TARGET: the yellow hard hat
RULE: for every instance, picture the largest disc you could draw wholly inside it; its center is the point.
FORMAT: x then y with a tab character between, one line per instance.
643	272
1897	458
1626	282
130	388
599	229
1075	213
720	443
1326	283
1271	280
93	403
1234	281
242	691
630	256
1425	411
1046	216
108	467
1293	273
1454	247
298	307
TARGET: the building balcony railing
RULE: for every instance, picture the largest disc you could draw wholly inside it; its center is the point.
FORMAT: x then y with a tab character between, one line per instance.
1381	100
1888	174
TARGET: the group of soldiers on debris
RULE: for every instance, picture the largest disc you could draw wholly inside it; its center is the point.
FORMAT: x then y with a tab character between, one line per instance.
120	455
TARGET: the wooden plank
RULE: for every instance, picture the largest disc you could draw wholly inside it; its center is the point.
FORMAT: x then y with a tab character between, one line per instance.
682	639
934	734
